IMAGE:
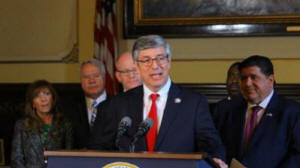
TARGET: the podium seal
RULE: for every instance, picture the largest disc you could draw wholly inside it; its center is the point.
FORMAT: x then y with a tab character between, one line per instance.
120	165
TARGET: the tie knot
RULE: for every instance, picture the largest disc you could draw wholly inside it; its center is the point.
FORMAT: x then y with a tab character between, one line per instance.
256	109
154	96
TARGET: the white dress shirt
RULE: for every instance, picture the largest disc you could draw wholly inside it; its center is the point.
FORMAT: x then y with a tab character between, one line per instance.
160	101
263	104
90	101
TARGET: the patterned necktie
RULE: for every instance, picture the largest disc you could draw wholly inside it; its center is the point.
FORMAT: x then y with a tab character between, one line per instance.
152	134
251	125
94	113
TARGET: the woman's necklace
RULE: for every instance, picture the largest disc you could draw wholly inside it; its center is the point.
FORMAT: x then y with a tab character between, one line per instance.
44	136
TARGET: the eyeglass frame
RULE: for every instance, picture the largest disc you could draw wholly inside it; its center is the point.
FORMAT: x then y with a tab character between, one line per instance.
150	60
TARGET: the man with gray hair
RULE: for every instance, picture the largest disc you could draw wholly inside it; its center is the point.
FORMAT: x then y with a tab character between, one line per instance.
84	110
181	119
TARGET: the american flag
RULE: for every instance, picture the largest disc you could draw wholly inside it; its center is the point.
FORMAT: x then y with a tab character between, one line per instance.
106	40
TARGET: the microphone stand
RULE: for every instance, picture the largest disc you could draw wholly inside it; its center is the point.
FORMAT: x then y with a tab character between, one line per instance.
142	131
131	148
132	145
117	143
124	125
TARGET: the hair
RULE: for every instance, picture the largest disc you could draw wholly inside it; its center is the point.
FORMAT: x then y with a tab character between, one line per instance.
97	63
263	62
150	41
117	61
32	120
235	64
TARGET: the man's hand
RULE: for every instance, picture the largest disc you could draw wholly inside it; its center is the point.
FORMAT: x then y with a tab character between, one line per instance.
220	163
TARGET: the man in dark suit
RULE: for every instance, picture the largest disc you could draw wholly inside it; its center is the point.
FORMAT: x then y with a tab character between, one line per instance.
182	122
82	110
233	82
261	129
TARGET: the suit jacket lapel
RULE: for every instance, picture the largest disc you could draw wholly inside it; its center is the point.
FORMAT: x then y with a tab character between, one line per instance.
270	112
84	114
135	111
36	142
136	105
240	116
170	113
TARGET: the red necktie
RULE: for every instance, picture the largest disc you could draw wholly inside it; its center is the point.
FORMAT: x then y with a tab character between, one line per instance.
251	125
152	134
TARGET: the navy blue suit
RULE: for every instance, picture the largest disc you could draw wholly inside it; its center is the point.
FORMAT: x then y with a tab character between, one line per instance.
276	140
186	125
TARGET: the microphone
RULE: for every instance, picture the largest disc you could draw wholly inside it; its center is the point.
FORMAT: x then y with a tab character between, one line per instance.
144	127
124	124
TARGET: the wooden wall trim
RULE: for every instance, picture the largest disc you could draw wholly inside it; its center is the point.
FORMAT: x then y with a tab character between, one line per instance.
217	91
213	91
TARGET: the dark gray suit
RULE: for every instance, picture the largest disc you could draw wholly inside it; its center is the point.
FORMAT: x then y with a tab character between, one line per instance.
27	148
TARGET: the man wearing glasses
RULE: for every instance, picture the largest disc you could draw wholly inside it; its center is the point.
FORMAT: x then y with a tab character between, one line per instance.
181	119
127	73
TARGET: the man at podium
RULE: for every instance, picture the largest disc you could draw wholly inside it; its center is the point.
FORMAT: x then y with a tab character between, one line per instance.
181	118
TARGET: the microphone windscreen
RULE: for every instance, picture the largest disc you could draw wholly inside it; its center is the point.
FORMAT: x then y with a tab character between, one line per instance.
126	121
144	127
148	122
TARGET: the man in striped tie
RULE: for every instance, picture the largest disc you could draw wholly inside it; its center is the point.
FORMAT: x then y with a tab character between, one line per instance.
83	110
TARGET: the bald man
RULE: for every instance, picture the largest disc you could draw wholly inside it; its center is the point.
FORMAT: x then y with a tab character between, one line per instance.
127	73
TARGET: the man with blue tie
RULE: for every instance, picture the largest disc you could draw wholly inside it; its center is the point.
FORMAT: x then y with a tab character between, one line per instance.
261	130
182	122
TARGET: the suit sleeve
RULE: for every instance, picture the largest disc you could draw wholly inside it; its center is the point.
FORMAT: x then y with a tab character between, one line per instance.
17	154
216	116
68	135
104	130
207	136
293	158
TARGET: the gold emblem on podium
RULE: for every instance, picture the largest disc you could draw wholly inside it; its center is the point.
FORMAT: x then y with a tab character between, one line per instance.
120	165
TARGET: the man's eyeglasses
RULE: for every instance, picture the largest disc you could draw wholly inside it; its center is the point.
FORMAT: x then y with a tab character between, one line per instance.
91	76
127	72
161	60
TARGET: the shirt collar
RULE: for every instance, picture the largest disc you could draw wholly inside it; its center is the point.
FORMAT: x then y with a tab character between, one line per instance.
265	102
162	91
99	99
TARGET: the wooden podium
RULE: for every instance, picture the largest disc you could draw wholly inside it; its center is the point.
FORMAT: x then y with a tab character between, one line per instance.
94	159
